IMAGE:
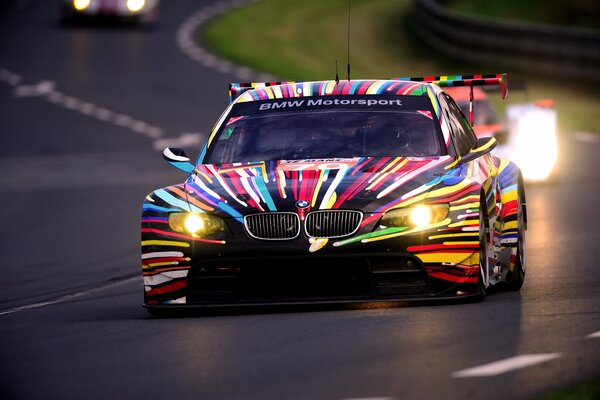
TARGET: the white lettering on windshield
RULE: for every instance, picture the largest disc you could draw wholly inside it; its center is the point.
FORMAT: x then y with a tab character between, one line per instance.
330	102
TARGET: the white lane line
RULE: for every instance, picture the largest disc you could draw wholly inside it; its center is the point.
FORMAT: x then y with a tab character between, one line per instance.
587	137
595	335
86	108
40	89
9	77
506	365
103	114
47	90
185	140
185	39
369	398
70	296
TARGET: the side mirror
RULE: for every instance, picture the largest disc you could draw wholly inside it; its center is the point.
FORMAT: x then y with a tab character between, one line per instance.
177	158
483	146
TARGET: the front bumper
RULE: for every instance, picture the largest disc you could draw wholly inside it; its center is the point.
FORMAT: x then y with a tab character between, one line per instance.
310	278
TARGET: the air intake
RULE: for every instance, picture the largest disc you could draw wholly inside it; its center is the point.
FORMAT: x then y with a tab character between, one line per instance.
332	223
273	226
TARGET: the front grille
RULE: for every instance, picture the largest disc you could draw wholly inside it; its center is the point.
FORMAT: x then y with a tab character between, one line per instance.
332	223
273	226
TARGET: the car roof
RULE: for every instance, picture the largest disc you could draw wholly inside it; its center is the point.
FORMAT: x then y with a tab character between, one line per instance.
333	88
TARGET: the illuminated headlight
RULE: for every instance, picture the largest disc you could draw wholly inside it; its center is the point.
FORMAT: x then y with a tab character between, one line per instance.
415	217
135	5
195	224
81	5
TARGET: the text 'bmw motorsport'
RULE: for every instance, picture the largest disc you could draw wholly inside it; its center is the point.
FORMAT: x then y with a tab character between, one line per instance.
321	102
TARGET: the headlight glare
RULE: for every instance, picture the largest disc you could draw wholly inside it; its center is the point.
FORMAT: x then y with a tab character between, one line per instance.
193	223
81	5
196	224
420	216
415	217
135	5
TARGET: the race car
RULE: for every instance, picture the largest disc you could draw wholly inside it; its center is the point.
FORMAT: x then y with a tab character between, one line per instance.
336	191
139	11
528	136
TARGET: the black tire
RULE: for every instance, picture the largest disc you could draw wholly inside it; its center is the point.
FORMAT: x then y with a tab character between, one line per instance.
481	286
516	278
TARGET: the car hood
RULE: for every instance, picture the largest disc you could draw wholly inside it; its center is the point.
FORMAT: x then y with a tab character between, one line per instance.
369	184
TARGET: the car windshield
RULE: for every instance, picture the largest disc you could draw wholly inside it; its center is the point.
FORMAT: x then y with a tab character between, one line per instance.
326	132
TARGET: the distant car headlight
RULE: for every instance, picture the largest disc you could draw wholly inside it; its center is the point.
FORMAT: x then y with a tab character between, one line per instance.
415	217
135	5
196	224
81	5
535	143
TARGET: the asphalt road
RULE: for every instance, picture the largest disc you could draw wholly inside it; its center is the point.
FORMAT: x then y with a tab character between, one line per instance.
82	110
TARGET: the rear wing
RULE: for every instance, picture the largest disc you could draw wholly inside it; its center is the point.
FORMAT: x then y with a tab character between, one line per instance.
237	89
466	80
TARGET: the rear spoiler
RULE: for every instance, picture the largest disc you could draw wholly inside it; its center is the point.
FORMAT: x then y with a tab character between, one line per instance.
466	80
237	89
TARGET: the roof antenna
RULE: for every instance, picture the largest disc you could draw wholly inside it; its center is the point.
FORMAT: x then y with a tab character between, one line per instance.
337	76
348	72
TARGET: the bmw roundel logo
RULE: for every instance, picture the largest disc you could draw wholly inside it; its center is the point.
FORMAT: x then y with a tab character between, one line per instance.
302	204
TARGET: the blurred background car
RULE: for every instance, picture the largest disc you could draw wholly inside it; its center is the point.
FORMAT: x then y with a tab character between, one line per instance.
144	12
527	134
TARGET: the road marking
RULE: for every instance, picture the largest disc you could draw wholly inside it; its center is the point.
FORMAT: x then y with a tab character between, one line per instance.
9	77
506	365
369	398
47	90
70	296
186	140
595	335
184	37
41	89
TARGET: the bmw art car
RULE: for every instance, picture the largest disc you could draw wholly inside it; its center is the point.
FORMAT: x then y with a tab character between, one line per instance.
336	191
140	11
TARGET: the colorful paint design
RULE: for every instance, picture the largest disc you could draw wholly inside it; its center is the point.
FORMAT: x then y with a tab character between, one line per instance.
448	250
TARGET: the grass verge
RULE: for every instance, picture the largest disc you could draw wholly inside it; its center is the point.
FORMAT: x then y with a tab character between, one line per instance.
302	41
579	13
589	390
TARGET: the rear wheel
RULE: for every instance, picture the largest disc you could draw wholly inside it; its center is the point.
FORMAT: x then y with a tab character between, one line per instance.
516	278
483	256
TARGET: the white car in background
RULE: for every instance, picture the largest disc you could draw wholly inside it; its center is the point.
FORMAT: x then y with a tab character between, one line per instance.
527	136
138	11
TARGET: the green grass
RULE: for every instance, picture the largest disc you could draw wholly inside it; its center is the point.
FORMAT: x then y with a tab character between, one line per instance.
580	13
589	390
302	40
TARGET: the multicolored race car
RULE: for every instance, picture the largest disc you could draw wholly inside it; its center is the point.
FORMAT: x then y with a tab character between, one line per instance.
140	11
336	191
528	136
